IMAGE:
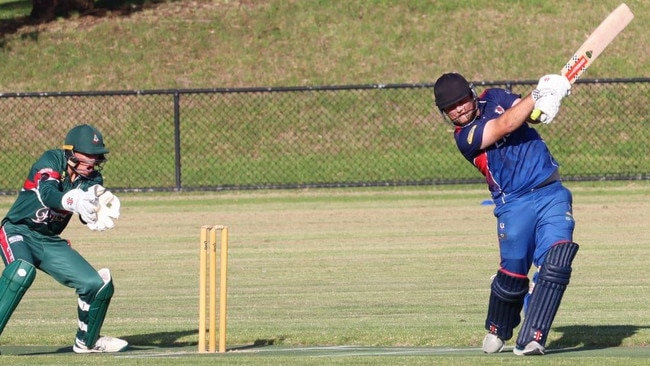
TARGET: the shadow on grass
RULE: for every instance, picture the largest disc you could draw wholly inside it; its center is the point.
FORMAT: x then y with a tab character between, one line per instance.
139	342
172	339
257	344
136	342
161	339
590	337
102	8
574	338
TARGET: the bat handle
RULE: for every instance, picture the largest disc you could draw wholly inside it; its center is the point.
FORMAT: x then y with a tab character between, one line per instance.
535	114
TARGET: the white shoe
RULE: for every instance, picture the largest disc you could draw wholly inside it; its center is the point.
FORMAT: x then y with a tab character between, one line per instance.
103	345
532	348
492	343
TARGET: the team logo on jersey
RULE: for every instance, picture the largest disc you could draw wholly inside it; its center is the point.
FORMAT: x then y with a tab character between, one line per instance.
41	215
499	110
470	135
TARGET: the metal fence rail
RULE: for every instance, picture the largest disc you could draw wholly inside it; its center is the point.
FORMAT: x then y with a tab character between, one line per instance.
357	135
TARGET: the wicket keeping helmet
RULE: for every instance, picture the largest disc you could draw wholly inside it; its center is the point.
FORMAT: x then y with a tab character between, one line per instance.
450	89
85	139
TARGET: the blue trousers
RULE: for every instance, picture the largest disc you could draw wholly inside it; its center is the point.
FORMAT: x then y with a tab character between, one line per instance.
529	225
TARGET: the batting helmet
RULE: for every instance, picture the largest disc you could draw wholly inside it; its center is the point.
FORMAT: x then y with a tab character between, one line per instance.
450	89
85	139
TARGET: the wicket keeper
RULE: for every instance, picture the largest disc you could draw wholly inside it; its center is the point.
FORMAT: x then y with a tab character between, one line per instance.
63	182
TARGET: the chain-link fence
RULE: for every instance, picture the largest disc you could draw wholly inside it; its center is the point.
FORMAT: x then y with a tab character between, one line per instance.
310	137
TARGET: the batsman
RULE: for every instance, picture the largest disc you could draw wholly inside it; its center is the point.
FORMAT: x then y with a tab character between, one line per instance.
62	183
534	214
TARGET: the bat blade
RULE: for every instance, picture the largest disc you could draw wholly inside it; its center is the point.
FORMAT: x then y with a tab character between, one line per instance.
596	43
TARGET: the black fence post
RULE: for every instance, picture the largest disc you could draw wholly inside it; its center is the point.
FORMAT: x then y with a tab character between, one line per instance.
177	141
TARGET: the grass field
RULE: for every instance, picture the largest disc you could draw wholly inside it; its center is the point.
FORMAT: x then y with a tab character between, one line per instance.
368	276
242	43
343	277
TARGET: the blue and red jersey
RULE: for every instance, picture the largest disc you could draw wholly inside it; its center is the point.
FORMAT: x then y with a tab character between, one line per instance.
512	166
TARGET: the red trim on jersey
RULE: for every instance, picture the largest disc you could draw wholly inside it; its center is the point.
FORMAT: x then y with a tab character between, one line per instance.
4	245
49	172
481	163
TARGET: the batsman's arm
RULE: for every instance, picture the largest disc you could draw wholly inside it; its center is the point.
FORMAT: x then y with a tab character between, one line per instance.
509	121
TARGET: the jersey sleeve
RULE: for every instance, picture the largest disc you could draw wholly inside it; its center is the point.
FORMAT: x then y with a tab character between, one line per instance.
499	97
492	103
469	139
45	178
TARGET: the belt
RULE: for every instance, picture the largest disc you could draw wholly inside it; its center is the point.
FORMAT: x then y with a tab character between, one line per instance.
552	179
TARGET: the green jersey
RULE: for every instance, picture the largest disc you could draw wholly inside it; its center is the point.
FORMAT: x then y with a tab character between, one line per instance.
38	205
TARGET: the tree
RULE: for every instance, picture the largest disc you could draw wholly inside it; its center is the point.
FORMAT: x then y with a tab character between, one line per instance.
46	10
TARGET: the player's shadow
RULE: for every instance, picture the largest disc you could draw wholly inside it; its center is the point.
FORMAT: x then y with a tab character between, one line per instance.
588	337
147	341
173	339
140	342
161	339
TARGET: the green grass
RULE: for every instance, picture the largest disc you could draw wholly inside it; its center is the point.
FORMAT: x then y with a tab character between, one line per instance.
371	267
375	267
279	43
285	43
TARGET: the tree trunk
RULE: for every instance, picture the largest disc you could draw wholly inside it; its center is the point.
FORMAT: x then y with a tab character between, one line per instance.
46	10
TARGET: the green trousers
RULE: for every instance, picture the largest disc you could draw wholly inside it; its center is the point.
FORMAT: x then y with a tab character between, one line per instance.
54	256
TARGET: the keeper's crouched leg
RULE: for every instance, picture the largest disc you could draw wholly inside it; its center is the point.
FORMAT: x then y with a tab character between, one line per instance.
16	278
544	302
93	308
506	301
92	312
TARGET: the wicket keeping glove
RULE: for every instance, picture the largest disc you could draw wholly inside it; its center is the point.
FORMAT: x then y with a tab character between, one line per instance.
84	203
109	209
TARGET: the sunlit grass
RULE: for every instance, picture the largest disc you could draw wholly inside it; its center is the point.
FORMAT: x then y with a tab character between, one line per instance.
373	267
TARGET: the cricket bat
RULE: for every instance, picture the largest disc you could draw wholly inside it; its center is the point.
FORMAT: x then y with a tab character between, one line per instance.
595	44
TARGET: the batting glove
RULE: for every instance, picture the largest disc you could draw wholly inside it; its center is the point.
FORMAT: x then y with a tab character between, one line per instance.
557	84
548	106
